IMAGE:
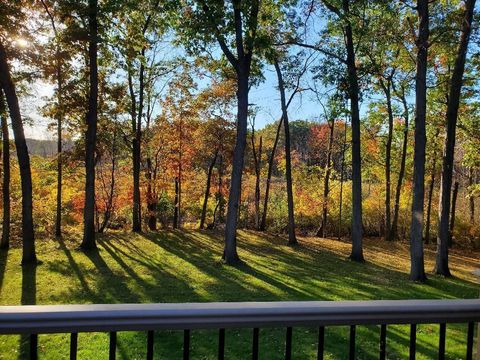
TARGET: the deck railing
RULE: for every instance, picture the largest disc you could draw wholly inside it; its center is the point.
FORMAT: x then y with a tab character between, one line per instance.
34	320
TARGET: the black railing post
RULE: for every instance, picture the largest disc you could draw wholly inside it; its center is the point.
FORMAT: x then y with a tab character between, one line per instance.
288	344
441	341
255	344
221	344
186	344
73	346
383	342
413	341
33	346
113	346
321	342
150	339
353	330
470	341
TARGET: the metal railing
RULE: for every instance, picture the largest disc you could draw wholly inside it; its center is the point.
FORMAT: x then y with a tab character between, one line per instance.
45	319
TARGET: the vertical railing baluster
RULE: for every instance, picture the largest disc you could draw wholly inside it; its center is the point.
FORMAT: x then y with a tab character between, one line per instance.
255	344
33	346
413	341
288	344
113	345
73	346
150	339
383	342
321	342
470	341
221	344
186	344
353	330
441	341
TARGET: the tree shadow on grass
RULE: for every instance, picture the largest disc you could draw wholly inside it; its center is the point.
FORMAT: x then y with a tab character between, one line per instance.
29	297
3	266
169	265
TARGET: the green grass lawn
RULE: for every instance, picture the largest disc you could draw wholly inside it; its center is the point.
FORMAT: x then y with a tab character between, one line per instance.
185	266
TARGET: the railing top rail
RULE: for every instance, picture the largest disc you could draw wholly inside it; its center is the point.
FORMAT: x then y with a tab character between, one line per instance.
124	317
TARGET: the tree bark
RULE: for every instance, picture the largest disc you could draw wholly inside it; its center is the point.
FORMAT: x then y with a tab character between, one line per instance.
257	158
417	266
136	154
471	199
456	82
88	241
353	89
401	173
58	219
263	223
292	240
342	168
431	187
452	214
230	252
176	205
109	204
28	235
388	160
59	78
5	241
207	190
326	180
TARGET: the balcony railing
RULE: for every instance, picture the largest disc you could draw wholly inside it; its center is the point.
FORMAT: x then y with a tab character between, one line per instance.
34	320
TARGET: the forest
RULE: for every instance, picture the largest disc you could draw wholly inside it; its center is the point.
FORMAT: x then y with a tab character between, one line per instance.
179	151
155	129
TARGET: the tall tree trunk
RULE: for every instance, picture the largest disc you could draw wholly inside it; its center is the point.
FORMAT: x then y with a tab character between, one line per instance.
456	82
88	241
342	168
58	220
401	173
452	214
109	205
28	236
326	179
137	216
417	265
59	78
388	160
219	196
257	158
431	187
242	65
230	252
357	228
176	205
263	223
292	240
471	199
151	193
5	241
207	190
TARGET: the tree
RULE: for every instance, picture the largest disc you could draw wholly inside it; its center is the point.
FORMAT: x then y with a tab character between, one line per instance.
456	82
210	22
401	174
8	87
292	240
257	162
59	92
344	14
5	240
88	241
330	117
417	266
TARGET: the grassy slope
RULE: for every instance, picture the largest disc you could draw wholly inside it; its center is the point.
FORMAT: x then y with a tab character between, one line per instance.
184	266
